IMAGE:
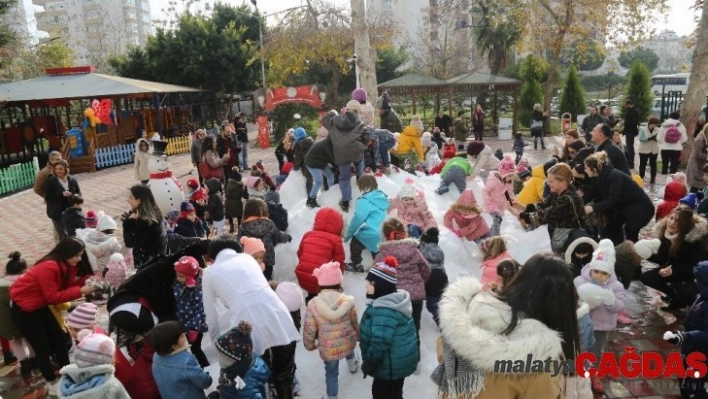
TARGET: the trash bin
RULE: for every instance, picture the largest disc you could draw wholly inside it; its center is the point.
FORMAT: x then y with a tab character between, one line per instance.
76	142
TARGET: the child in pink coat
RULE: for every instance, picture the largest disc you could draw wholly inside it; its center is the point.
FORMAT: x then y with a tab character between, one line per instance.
465	219
494	251
498	191
412	209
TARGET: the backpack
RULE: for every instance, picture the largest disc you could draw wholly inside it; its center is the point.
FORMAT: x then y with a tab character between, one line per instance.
673	134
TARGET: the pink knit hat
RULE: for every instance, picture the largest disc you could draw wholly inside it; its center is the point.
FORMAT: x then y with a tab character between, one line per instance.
252	245
524	163
91	219
506	167
290	294
84	316
93	349
328	275
189	267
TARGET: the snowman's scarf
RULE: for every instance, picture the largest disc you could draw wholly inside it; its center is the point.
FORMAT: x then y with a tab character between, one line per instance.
166	175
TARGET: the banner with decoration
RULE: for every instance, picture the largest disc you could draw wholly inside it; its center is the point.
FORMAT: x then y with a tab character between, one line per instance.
312	95
263	132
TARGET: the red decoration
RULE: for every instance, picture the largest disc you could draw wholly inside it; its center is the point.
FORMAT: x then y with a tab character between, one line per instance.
102	110
309	95
263	132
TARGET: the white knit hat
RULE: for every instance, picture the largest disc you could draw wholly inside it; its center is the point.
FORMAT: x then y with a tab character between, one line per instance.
94	349
417	123
408	190
291	295
427	139
105	222
646	248
603	258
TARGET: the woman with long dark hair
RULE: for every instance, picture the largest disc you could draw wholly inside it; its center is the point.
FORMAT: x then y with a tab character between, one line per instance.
56	278
534	315
57	191
142	227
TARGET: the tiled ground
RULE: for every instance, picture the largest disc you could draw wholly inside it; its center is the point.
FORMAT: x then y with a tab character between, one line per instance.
27	229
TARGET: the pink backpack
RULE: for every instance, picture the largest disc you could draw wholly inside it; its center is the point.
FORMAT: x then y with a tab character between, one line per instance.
673	134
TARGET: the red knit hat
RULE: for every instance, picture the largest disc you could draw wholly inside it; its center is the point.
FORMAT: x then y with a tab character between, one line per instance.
449	151
193	183
506	167
189	267
199	195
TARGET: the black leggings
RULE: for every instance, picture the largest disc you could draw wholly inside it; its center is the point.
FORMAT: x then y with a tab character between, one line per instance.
196	348
44	335
669	161
387	389
651	159
281	361
684	291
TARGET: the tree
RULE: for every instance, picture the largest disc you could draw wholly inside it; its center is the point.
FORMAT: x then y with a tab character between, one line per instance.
638	89
498	32
366	55
590	59
647	56
572	97
532	70
31	63
7	35
389	63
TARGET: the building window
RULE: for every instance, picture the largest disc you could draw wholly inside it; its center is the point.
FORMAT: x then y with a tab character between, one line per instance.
387	4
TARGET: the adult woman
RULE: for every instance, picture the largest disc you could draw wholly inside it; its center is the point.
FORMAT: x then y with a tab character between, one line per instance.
534	315
570	136
284	152
57	190
142	227
694	171
140	164
682	235
242	138
562	211
618	198
538	121
196	150
649	148
56	278
478	123
210	156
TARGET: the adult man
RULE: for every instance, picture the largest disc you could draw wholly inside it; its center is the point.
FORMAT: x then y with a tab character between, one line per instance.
444	122
41	179
237	282
226	144
601	136
590	122
631	129
389	119
460	129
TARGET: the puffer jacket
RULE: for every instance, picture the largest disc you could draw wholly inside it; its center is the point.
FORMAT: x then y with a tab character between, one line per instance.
265	230
300	151
417	214
189	306
457	162
494	192
331	325
471	227
673	192
532	193
148	240
661	137
408	141
604	317
318	246
48	282
691	250
435	257
97	381
490	278
99	248
347	134
369	214
235	194
255	378
140	165
413	270
391	122
387	337
188	228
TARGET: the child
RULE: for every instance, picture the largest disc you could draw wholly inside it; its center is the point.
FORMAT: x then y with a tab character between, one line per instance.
410	148
92	374
498	192
519	145
449	152
456	170
388	341
432	152
598	286
101	243
493	251
290	294
523	173
215	206
579	252
255	248
466	215
189	307
532	193
411	208
91	219
257	225
259	171
318	246
363	230
673	192
256	187
412	270
284	173
242	374
176	371
188	225
73	217
438	280
14	269
276	212
236	192
192	187
482	156
332	325
171	221
506	270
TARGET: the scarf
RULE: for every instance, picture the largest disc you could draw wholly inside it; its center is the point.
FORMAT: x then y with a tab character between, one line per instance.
456	377
669	236
166	175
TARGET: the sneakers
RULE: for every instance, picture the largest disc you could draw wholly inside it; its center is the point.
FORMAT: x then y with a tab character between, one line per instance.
596	385
344	206
442	190
353	364
312	203
53	388
354	268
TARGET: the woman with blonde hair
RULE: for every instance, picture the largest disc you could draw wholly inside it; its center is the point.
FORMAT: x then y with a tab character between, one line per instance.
538	123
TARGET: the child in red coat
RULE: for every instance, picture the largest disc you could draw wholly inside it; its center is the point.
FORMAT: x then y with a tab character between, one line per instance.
673	192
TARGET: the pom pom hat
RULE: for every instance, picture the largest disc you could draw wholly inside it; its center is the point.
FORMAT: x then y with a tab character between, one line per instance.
252	245
189	267
603	258
432	235
91	220
408	190
199	195
105	222
329	274
646	248
186	208
383	275
235	348
506	167
94	349
417	123
84	316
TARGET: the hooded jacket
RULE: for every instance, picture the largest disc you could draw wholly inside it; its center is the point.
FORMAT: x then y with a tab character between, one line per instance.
435	257
413	270
489	270
90	382
673	192
391	122
256	379
331	325
471	323
346	133
417	214
369	213
661	137
532	193
696	324
318	246
627	263
604	317
494	194
471	227
140	166
265	230
320	154
388	338
408	141
690	251
99	248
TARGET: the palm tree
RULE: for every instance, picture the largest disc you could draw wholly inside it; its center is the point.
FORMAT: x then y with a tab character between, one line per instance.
497	34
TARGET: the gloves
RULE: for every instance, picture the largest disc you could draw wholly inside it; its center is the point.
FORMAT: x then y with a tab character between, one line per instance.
675	337
192	336
368	368
607	297
125	216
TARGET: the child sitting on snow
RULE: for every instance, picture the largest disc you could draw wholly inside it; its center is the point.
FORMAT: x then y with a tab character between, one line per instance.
493	251
276	212
467	218
498	192
411	208
256	187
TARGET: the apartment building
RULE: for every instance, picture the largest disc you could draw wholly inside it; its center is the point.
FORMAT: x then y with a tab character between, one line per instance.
21	19
674	54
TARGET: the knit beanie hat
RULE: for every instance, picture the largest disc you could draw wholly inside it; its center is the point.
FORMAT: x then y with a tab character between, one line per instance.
417	123
299	134
329	274
354	106
689	200
105	222
449	151
272	196
84	316
524	163
252	245
474	148
414	231
360	95
506	167
189	267
603	258
524	173
172	216
548	165
116	270
426	139
186	208
383	276
193	183
91	219
199	195
290	294
646	248
432	235
408	190
235	347
382	102
94	349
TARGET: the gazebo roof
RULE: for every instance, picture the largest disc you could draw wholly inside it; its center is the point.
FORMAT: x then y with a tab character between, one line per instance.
467	82
477	81
405	83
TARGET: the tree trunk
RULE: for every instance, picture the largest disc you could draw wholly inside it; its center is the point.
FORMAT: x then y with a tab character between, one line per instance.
365	54
697	85
553	80
333	97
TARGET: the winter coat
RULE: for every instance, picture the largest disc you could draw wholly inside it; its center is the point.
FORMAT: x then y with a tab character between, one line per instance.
189	306
604	317
8	329
485	161
90	382
471	227
417	214
460	130
388	339
590	122
494	194
48	282
213	159
703	206
627	262
331	325
196	151
188	228
235	194
695	326
696	162
432	157
470	316
347	134
265	230
490	278
565	210
140	164
99	248
391	122
142	382
278	214
435	257
320	154
148	240
648	143
532	193
585	327
73	219
408	141
178	375
367	114
369	213
54	196
616	156
255	379
318	246
478	121
300	151
41	180
691	250
215	207
413	270
673	192
615	193
457	162
661	137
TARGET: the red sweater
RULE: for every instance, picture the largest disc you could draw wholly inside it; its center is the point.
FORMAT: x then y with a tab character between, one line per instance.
46	283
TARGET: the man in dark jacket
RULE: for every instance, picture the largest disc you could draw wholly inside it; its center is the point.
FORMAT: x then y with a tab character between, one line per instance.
443	122
590	122
460	129
631	129
389	119
602	138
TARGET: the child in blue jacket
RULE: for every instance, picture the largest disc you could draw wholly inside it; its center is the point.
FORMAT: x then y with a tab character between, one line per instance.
364	229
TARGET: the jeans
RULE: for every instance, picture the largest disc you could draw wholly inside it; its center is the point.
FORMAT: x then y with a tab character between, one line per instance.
345	178
651	159
432	303
244	155
332	375
669	158
538	134
317	175
384	152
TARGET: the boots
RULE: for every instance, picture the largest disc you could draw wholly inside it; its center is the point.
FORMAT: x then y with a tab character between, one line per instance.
312	203
344	206
353	364
442	189
26	368
354	268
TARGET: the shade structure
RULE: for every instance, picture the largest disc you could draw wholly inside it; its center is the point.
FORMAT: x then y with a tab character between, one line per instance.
412	81
477	81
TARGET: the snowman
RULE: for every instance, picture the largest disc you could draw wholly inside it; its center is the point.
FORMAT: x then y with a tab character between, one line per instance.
164	186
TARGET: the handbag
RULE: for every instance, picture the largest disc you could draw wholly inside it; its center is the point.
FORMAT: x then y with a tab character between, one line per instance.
536	124
207	172
560	235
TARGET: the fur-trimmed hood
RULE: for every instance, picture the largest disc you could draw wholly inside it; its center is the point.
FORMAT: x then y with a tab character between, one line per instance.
574	244
699	231
405	241
333	305
472	321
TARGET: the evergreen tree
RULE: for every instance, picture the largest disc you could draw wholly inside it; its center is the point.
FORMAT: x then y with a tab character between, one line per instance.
638	89
572	98
532	70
